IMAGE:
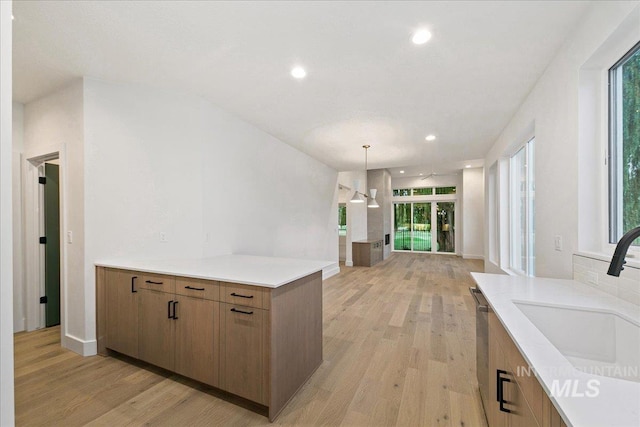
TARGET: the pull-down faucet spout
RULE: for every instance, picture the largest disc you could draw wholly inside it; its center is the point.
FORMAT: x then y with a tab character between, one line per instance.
617	262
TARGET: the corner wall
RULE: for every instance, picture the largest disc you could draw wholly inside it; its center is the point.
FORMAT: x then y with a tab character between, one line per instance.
7	410
19	308
161	161
356	212
473	213
52	124
379	219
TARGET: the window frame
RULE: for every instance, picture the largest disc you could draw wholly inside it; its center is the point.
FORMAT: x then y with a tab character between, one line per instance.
615	154
515	230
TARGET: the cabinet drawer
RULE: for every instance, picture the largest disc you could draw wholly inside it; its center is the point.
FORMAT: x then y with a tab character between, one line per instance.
158	282
248	296
198	288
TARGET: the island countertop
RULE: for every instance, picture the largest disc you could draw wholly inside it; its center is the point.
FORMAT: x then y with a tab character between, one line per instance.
270	272
618	400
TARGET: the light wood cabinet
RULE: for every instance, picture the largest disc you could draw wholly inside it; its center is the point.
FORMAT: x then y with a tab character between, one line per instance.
121	312
156	328
367	253
525	404
243	348
197	339
258	343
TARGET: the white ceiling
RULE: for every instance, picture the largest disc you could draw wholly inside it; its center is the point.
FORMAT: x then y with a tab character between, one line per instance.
366	82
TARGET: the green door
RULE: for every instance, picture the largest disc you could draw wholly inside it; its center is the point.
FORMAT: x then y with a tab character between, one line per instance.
52	246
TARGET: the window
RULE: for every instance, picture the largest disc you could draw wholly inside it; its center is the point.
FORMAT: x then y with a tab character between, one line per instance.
402	192
423	191
522	193
426	191
342	219
446	190
624	145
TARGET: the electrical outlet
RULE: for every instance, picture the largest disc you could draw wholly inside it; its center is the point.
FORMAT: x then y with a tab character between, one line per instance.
69	236
163	237
558	243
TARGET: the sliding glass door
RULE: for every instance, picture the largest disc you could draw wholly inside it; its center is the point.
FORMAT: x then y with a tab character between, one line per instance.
415	230
446	233
402	226
421	228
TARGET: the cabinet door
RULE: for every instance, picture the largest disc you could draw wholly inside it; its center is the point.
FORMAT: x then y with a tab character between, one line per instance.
156	328
521	415
495	417
197	339
121	311
243	347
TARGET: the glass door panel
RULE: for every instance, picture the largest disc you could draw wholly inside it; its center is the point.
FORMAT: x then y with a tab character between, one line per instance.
446	227
421	229
402	227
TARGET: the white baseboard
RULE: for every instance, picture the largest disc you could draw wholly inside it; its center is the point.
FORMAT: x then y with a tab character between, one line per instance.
82	347
330	271
348	263
470	256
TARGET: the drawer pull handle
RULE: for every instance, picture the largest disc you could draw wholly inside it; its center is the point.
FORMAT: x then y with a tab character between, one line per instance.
233	294
240	311
133	284
500	390
169	310
153	283
194	289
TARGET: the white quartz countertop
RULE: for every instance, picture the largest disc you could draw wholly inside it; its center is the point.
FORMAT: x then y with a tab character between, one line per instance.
617	402
263	271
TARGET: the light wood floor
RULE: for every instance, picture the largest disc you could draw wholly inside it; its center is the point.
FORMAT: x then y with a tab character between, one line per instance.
399	349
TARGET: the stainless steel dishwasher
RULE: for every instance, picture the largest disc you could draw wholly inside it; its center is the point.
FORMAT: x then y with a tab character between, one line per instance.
482	344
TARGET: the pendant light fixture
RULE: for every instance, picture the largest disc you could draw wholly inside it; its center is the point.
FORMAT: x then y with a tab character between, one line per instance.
359	197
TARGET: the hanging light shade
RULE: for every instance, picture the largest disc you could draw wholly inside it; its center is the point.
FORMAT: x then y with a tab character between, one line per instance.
357	196
372	202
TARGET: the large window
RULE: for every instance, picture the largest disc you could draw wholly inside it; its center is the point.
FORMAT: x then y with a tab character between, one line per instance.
624	145
522	193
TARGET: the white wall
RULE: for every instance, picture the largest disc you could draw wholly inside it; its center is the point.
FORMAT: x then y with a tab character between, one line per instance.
54	123
356	212
551	112
473	213
6	231
19	309
264	197
159	161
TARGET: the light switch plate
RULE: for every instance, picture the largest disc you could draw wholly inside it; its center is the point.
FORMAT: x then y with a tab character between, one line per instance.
558	243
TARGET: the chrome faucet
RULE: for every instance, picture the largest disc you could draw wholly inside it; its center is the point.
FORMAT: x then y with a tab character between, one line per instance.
618	261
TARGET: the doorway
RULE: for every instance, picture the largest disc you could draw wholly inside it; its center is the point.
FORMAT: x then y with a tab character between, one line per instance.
44	249
424	227
50	239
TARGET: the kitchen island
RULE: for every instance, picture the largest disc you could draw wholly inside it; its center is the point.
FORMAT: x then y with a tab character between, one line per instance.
248	325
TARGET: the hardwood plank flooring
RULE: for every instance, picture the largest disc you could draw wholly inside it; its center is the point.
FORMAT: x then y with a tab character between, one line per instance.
399	350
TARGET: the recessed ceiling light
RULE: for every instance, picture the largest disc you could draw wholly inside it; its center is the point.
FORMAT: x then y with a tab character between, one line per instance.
401	171
430	138
467	166
298	72
12	17
421	36
421	174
